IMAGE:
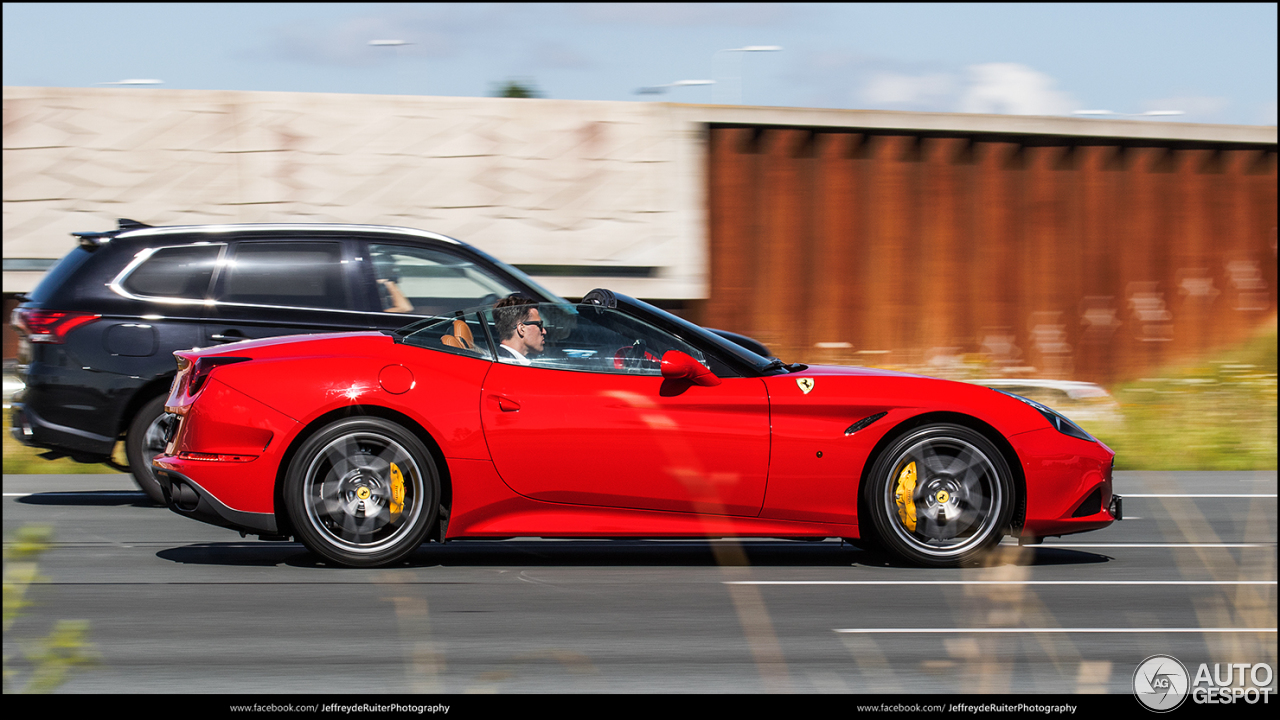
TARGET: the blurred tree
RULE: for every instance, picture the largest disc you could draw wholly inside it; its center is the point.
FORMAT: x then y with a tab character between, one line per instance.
515	89
49	660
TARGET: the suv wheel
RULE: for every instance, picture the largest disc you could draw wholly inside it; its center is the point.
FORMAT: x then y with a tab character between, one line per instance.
144	441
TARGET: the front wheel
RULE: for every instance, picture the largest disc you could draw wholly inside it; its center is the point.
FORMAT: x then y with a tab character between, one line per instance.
940	496
362	492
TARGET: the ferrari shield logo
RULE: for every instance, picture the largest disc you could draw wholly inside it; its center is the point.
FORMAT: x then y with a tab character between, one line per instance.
806	384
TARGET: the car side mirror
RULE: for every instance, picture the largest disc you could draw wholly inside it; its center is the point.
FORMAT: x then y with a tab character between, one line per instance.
681	366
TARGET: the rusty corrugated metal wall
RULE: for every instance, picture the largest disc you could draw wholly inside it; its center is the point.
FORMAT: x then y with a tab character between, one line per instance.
1064	257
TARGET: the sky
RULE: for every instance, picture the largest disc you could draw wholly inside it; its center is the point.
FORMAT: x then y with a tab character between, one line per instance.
1213	63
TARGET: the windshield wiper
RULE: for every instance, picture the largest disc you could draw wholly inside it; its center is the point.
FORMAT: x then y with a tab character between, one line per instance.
776	364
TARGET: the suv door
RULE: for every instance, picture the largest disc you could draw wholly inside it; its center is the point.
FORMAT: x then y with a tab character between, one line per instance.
290	286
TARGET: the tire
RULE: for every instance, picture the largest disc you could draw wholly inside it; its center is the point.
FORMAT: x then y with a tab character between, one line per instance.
340	492
962	500
143	441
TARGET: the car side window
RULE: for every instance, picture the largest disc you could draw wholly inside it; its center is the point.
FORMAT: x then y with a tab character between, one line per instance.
287	274
174	272
589	338
462	334
424	281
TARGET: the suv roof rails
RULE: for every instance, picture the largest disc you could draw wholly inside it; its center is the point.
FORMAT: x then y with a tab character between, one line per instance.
92	240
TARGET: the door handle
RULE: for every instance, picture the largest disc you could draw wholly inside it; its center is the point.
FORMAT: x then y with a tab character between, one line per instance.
506	404
228	336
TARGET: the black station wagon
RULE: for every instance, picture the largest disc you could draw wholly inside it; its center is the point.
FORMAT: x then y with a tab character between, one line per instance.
97	334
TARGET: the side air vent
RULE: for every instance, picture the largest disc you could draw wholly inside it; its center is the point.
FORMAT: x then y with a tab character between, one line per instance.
863	423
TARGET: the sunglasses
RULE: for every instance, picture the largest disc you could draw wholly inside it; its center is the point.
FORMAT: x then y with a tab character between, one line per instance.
536	323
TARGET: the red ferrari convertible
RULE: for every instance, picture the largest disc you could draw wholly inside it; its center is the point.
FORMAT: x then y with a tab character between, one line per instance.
605	419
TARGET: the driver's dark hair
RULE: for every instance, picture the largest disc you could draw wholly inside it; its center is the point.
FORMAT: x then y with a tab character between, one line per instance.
510	311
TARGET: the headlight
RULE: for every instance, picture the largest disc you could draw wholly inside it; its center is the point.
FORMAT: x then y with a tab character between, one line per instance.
1055	418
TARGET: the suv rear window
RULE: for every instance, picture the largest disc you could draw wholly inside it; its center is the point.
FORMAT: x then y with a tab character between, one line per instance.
292	274
177	272
59	274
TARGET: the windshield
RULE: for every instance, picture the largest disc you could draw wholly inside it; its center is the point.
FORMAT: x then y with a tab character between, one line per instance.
729	350
575	348
592	339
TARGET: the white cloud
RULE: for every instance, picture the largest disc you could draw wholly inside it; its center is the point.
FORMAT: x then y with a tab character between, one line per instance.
1195	109
899	89
1013	89
994	88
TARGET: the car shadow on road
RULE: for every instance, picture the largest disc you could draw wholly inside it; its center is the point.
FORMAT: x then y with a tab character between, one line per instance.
609	553
90	498
1006	556
246	553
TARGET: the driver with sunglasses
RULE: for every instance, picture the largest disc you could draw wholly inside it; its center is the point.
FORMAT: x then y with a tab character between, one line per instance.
520	327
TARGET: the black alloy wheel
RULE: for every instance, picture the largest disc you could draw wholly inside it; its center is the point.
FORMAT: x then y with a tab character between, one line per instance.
940	496
362	492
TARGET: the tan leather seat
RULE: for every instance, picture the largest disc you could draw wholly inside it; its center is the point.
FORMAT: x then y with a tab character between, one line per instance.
461	337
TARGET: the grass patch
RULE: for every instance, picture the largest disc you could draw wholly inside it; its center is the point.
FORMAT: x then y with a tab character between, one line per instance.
22	460
1219	414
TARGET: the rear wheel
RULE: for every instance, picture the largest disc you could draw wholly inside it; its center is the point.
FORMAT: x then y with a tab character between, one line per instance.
362	492
940	496
143	442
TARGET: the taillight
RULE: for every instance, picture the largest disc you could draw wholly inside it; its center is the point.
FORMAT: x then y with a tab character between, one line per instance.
203	367
49	326
216	457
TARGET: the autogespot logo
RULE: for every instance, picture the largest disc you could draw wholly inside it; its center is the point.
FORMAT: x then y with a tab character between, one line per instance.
1161	683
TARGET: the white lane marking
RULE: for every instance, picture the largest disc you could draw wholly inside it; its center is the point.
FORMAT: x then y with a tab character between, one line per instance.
1154	545
999	582
1126	496
1052	630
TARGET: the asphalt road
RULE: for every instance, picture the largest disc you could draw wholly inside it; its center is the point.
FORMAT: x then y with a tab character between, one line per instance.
178	606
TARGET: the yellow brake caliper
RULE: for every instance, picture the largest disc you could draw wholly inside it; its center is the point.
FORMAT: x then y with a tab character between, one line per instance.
397	490
904	496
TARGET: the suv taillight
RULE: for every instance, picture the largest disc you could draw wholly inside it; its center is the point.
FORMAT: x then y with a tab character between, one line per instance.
203	367
49	326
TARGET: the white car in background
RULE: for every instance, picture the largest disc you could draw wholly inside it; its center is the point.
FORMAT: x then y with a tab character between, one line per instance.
1083	402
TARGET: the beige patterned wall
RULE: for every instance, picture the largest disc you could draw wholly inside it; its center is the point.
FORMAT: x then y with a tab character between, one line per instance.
531	181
